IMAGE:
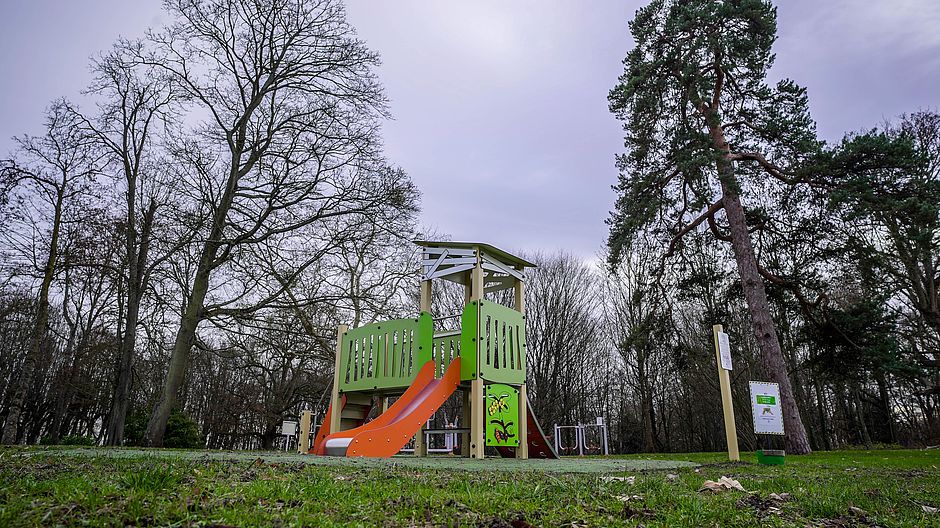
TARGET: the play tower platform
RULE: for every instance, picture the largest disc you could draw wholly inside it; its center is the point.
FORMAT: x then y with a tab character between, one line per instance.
408	360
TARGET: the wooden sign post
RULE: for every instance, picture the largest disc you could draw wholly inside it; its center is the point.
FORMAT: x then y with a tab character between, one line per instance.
723	360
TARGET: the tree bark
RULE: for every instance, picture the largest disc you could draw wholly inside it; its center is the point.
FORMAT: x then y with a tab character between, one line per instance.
179	359
823	419
762	324
193	314
137	250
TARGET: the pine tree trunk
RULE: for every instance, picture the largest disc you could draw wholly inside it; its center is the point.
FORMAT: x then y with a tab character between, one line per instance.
885	400
762	324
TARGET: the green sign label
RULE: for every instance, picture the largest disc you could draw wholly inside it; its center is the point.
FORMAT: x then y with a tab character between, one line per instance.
766	400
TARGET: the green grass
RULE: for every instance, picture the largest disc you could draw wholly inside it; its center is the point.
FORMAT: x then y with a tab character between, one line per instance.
97	487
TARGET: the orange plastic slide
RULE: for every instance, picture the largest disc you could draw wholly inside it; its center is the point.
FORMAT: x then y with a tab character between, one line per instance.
391	430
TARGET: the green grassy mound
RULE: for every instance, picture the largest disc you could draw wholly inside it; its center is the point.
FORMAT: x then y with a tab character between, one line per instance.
125	487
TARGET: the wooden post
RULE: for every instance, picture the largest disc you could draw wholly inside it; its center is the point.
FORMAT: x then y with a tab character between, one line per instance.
337	413
727	405
303	441
467	291
477	403
426	296
465	419
522	425
477	431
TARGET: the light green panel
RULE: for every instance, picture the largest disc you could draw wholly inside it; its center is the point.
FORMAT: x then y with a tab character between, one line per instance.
385	355
502	415
468	347
501	344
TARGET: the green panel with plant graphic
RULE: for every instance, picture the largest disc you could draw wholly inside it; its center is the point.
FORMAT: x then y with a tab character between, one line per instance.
502	415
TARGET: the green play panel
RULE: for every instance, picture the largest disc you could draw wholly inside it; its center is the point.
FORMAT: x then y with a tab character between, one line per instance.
565	465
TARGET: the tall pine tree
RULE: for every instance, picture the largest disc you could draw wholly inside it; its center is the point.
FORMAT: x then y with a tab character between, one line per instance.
701	123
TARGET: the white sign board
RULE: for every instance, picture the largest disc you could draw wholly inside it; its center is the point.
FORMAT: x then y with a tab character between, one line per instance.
766	408
289	428
724	350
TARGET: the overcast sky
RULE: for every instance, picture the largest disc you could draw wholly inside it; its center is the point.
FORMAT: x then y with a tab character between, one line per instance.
500	109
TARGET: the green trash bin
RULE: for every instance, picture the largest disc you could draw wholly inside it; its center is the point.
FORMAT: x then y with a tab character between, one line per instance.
771	457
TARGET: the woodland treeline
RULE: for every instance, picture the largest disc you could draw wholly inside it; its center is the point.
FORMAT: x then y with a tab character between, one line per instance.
178	250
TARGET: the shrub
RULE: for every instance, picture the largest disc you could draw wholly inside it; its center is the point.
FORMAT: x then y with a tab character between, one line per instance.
134	428
182	432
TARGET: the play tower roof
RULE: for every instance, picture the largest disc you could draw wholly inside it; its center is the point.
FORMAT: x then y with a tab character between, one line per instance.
504	256
452	261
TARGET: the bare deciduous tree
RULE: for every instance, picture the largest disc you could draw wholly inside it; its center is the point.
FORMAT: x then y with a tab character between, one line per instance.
52	172
288	143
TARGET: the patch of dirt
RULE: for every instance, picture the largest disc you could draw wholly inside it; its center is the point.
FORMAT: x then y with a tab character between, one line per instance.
763	508
855	518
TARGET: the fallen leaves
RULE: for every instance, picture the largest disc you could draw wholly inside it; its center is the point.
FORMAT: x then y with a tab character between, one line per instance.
628	480
929	509
723	484
628	498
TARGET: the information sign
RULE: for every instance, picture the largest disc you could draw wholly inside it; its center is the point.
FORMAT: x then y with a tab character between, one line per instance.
766	408
724	350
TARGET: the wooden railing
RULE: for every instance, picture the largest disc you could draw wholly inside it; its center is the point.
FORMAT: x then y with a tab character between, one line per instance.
446	347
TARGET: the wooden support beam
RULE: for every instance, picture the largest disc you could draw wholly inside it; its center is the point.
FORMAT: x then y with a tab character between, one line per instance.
477	431
337	411
519	288
426	296
303	440
523	425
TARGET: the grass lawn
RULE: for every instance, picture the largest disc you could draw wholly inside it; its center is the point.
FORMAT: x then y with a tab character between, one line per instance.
136	487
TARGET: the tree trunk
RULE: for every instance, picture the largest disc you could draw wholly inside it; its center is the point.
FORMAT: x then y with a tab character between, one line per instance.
762	324
125	371
25	380
193	314
860	417
136	249
884	400
821	409
179	359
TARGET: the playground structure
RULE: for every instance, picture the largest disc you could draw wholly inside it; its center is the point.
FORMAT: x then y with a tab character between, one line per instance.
581	446
406	360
